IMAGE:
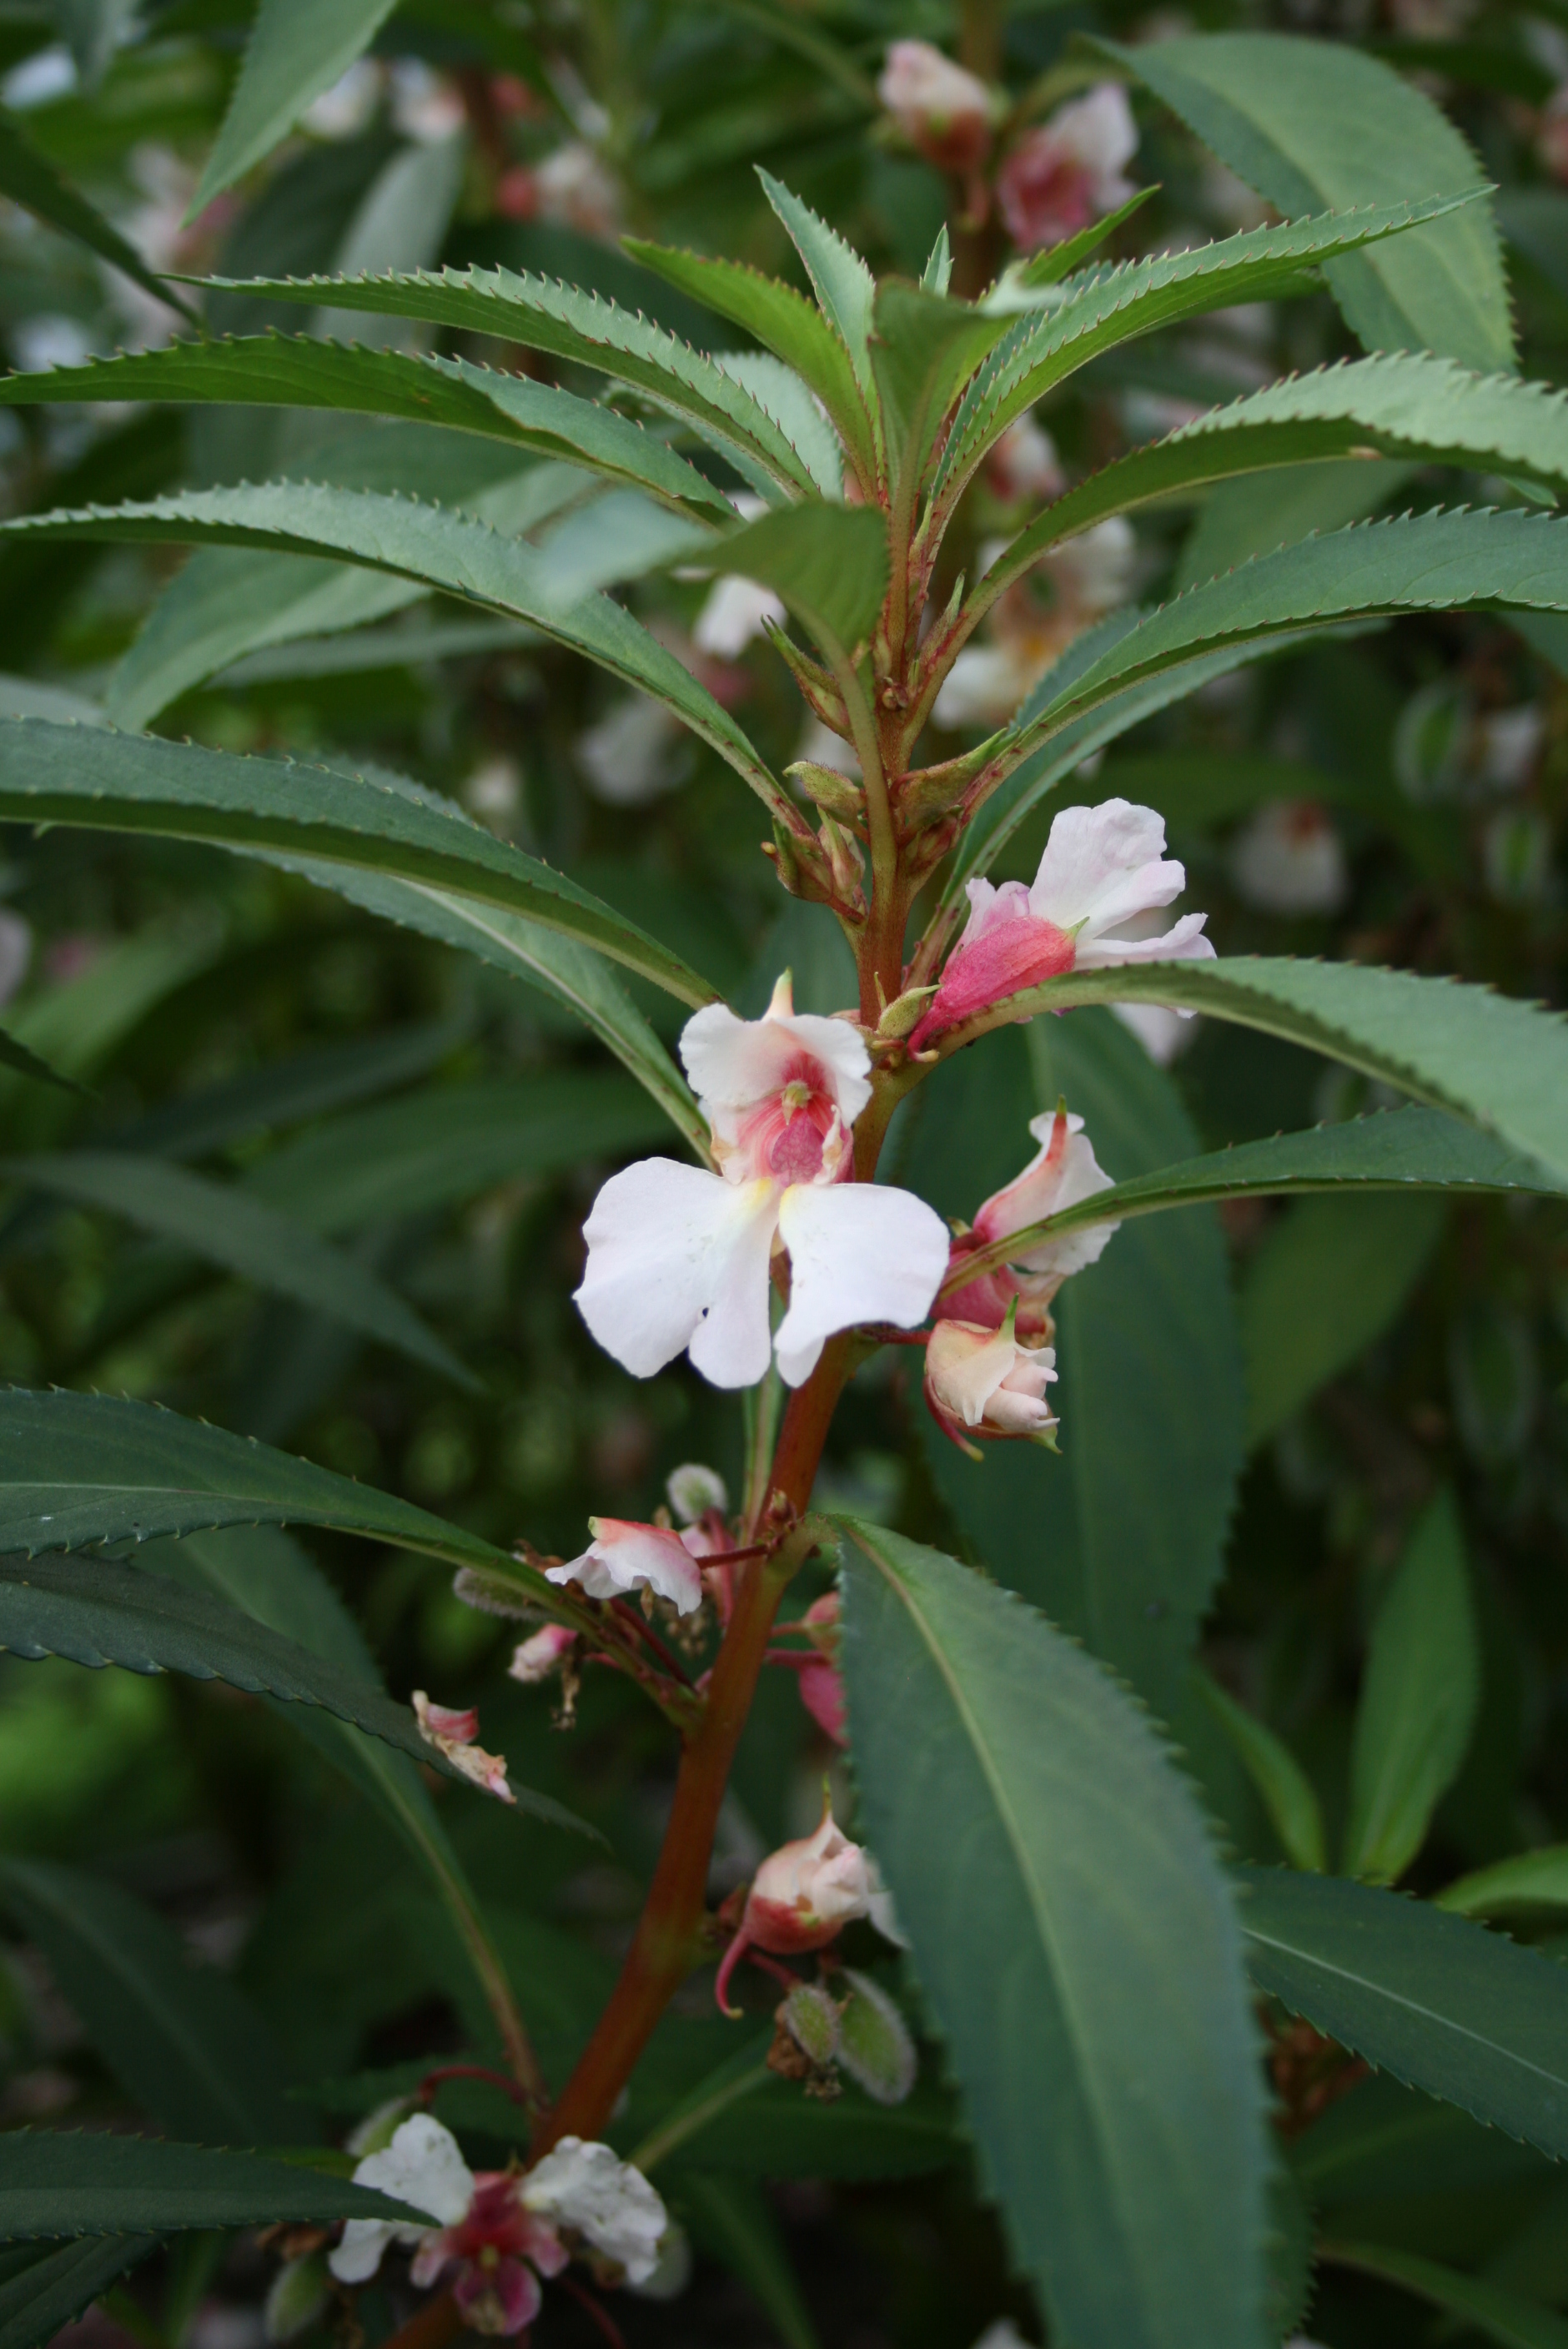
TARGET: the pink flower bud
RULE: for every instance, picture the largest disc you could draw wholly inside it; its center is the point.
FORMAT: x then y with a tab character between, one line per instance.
943	111
984	1380
1066	173
452	1733
533	1660
803	1896
622	1557
1005	949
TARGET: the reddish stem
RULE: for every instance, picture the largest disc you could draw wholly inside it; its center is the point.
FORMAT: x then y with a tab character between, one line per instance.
425	2092
638	1623
430	2327
596	2310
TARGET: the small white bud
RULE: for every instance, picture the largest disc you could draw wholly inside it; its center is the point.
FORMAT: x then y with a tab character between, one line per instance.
693	1490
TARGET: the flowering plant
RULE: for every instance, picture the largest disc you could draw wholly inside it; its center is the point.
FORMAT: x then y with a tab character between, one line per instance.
883	1419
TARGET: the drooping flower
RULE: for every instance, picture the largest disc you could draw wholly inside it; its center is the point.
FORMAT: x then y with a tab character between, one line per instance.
587	2186
943	110
452	1733
534	1660
1102	868
1063	1171
803	1896
678	1258
623	1556
1067	172
982	1379
1289	859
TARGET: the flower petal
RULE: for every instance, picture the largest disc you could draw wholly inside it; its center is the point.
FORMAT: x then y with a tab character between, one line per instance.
734	1063
669	1245
356	2257
1102	864
1182	942
858	1252
589	2187
423	2166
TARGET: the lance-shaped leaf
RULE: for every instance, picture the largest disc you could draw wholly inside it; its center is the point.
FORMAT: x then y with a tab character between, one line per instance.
1441	2004
1311	123
1421	410
570	325
182	2040
54	2287
441	549
1109	307
296	50
240	1234
1409	1149
786	323
844	286
1486	1058
924	348
1424	562
1477	2304
1077	1946
1530	1879
1285	1791
63	2182
91	1613
301	371
828	564
30	179
1502	1063
124	782
1052	263
14	1054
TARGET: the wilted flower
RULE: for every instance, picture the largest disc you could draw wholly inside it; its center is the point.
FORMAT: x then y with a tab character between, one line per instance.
943	112
1063	1171
1103	866
1069	171
1288	859
983	1380
803	1896
678	1259
622	1557
452	1733
534	1660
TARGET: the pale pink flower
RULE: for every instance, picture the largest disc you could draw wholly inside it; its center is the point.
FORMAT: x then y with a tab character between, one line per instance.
679	1259
534	1660
1063	1171
1088	576
571	188
943	110
983	1380
1069	171
1103	867
622	1557
735	614
452	1733
1024	462
803	1896
587	2186
1289	859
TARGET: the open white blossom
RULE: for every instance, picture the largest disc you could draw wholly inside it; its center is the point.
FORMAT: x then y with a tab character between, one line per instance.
422	2166
587	2186
679	1259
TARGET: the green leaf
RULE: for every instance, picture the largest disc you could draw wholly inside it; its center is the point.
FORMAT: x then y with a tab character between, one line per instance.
828	564
1419	1698
1442	2005
14	1055
183	2041
1409	1149
90	1612
733	2221
241	1235
296	50
78	1470
406	1157
785	323
1498	1062
1121	1540
1312	123
1055	261
1325	1282
1435	562
301	371
1110	305
30	179
1501	2315
1418	409
53	2289
56	2183
924	348
843	285
1295	1812
742	2120
1076	1945
1530	1879
121	782
583	328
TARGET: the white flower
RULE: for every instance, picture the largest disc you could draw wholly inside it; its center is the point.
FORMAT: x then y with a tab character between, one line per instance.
678	1259
1288	859
1063	1171
634	753
575	187
588	2187
422	2166
624	1557
426	106
734	616
1088	576
452	1733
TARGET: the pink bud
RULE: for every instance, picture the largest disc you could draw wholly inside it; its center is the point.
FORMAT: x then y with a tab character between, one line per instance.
452	1734
1009	949
943	110
533	1660
803	1896
984	1380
